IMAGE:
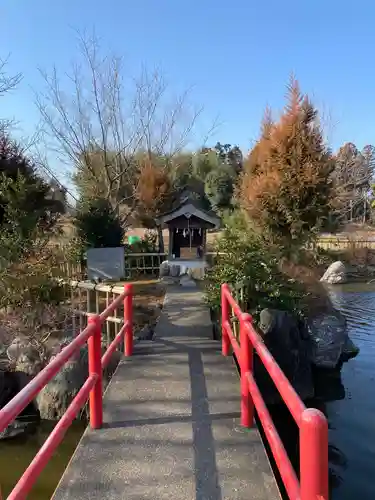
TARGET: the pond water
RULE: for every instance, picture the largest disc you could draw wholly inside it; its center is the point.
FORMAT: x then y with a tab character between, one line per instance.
16	454
347	398
352	419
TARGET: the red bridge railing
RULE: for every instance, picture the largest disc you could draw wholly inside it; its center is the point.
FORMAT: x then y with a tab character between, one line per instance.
313	426
91	389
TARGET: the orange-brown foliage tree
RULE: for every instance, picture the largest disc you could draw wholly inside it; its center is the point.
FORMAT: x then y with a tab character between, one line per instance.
154	195
286	187
154	190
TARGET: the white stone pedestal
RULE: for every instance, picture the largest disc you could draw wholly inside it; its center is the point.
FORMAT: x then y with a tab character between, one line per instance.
198	266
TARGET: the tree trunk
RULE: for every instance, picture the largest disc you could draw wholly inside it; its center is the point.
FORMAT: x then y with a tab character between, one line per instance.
160	239
364	207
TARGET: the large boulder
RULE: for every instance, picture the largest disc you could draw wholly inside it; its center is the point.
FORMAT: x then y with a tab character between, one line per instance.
330	343
16	428
17	346
349	350
335	274
26	357
30	362
282	335
54	399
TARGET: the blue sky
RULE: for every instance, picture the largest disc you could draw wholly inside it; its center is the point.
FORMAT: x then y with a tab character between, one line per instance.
238	55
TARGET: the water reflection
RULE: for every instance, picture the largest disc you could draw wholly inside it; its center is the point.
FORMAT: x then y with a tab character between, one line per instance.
20	451
349	401
328	385
328	388
346	397
337	465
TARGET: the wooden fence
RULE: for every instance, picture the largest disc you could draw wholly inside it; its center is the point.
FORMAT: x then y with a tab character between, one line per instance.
72	270
149	263
136	264
86	299
143	263
341	243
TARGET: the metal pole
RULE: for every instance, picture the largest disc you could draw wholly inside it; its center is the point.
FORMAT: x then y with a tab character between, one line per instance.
95	367
246	362
128	319
314	455
224	319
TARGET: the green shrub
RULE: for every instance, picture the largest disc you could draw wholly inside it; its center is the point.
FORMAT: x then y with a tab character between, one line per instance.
245	257
98	226
219	187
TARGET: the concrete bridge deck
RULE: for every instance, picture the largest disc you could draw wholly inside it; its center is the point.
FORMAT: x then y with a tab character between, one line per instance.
172	428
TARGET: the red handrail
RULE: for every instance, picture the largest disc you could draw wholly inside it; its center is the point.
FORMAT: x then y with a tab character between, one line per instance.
313	426
91	389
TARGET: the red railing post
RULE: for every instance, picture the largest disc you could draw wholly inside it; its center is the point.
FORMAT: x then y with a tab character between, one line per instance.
225	341
95	367
128	318
246	363
313	455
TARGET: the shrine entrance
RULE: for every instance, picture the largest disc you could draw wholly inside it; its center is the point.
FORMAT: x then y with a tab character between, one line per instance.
188	224
187	242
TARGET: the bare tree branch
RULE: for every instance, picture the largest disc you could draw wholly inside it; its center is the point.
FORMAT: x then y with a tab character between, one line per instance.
352	177
98	121
7	82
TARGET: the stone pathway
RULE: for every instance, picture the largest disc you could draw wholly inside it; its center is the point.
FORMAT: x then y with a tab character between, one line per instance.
171	417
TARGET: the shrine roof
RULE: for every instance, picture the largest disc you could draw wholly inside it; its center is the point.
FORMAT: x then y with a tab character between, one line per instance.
188	207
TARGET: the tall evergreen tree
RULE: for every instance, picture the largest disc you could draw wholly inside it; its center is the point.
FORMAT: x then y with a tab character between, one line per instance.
352	178
286	187
24	192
